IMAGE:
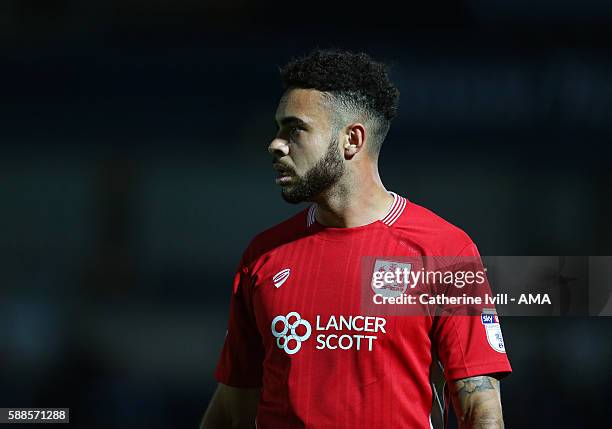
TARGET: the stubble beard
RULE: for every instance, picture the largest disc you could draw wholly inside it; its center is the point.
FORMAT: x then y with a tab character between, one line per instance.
318	179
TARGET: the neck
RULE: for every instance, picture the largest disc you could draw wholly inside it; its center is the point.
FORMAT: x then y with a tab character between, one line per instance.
356	200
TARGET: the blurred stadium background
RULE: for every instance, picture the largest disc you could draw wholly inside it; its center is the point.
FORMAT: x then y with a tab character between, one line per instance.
134	172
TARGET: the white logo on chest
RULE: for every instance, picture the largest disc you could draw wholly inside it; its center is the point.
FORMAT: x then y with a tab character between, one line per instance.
281	277
332	332
284	336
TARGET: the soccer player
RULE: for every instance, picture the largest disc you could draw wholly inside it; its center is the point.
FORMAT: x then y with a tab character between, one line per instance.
299	351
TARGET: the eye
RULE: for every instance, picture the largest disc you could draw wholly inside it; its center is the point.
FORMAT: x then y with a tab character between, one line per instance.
294	131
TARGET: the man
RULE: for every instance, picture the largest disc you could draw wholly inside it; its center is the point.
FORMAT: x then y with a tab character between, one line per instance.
299	352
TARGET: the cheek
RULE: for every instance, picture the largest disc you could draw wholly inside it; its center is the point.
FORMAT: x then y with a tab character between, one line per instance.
308	153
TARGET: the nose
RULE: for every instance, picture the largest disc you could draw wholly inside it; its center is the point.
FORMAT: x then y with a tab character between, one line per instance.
278	147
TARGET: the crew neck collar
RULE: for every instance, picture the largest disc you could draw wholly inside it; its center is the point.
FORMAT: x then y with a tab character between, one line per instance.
393	214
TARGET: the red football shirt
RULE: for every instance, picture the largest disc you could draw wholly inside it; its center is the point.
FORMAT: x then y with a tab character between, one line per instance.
295	327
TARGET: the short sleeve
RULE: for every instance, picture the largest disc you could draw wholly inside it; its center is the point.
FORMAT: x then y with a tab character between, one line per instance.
240	363
470	345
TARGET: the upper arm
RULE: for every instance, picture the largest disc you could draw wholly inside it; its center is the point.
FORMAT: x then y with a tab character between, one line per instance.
232	407
477	402
241	361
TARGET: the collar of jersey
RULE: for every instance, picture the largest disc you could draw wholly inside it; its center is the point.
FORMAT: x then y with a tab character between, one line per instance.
392	215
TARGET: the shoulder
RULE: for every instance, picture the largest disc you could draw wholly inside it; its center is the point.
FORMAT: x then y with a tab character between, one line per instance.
435	234
281	234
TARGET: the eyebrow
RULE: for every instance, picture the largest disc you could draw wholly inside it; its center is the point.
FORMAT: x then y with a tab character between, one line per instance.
290	120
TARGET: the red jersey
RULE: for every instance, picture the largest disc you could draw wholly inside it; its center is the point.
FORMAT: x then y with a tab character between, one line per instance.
296	330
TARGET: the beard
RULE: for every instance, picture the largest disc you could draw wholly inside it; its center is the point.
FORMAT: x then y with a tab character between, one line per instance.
325	173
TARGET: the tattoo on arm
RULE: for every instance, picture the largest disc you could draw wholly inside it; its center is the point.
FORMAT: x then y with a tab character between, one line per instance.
468	386
478	403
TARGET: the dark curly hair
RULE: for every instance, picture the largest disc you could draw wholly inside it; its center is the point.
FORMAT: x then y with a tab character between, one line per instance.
356	85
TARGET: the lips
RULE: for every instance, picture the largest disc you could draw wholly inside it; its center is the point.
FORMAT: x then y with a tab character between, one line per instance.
284	174
282	170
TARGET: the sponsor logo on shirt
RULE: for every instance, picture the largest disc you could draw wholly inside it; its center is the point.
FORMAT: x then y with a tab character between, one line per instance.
332	332
288	338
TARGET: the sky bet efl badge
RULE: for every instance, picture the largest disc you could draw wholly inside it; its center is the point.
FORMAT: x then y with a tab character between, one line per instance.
494	335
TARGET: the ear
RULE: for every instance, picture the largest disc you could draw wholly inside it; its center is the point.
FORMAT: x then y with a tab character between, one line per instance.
354	139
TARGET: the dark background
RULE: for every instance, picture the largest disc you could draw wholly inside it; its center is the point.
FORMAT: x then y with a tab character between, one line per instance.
134	172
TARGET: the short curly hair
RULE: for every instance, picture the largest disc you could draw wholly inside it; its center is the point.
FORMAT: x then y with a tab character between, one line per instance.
356	85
